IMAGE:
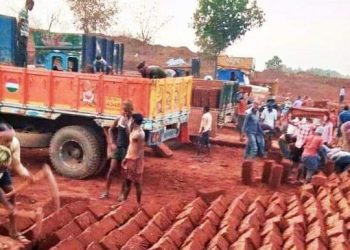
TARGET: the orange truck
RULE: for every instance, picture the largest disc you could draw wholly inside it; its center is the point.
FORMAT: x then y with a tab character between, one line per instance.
68	112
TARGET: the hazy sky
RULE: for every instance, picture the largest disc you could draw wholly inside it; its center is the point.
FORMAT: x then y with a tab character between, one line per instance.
303	33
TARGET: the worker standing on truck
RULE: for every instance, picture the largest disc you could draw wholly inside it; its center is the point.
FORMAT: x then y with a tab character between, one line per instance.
132	165
100	64
23	34
153	72
119	137
9	145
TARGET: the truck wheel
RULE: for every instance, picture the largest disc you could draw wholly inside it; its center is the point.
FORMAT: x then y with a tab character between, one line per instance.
75	152
103	149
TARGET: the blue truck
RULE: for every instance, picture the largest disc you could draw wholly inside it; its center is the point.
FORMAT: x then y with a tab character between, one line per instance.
74	51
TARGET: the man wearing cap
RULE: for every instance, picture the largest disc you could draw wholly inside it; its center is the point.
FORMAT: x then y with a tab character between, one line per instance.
23	34
310	158
100	64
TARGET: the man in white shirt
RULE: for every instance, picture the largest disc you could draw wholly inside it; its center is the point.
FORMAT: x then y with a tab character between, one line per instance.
269	117
204	130
342	95
286	139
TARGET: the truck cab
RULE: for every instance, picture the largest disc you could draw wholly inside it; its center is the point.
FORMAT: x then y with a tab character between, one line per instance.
68	61
230	74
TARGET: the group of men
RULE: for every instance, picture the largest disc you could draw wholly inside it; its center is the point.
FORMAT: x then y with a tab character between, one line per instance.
301	143
306	141
311	141
126	142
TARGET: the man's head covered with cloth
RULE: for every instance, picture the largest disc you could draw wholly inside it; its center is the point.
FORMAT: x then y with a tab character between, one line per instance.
6	136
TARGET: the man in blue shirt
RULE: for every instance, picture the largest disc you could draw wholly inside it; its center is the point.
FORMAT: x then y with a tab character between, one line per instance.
251	127
344	116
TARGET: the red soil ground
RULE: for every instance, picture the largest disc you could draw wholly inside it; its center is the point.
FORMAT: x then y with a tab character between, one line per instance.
178	177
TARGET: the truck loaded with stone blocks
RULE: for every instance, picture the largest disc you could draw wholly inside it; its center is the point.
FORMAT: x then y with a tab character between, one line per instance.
69	112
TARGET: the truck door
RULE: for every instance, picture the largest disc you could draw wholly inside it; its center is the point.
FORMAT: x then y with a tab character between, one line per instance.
56	61
73	64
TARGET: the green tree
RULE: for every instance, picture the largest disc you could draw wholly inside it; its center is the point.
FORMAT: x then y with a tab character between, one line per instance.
275	63
93	15
218	23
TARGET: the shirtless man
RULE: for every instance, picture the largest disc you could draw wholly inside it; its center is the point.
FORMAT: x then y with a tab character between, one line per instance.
132	165
119	137
10	143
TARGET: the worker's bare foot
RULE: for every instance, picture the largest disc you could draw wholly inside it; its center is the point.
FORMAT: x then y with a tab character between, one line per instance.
121	198
4	246
104	195
21	238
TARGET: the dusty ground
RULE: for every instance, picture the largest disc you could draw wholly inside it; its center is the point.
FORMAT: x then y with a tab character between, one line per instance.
165	179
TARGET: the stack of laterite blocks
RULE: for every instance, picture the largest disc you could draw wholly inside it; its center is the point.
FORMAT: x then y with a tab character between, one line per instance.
278	171
320	104
206	93
274	172
318	217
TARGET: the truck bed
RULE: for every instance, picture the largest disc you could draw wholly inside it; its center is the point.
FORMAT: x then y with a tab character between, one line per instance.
48	94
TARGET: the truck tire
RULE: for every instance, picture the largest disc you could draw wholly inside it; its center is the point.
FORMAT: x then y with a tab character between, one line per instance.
75	152
103	149
33	139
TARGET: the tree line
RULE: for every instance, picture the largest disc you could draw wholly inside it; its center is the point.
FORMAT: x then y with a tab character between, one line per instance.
217	23
276	64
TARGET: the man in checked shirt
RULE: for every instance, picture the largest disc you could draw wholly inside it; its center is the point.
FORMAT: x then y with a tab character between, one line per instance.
304	129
